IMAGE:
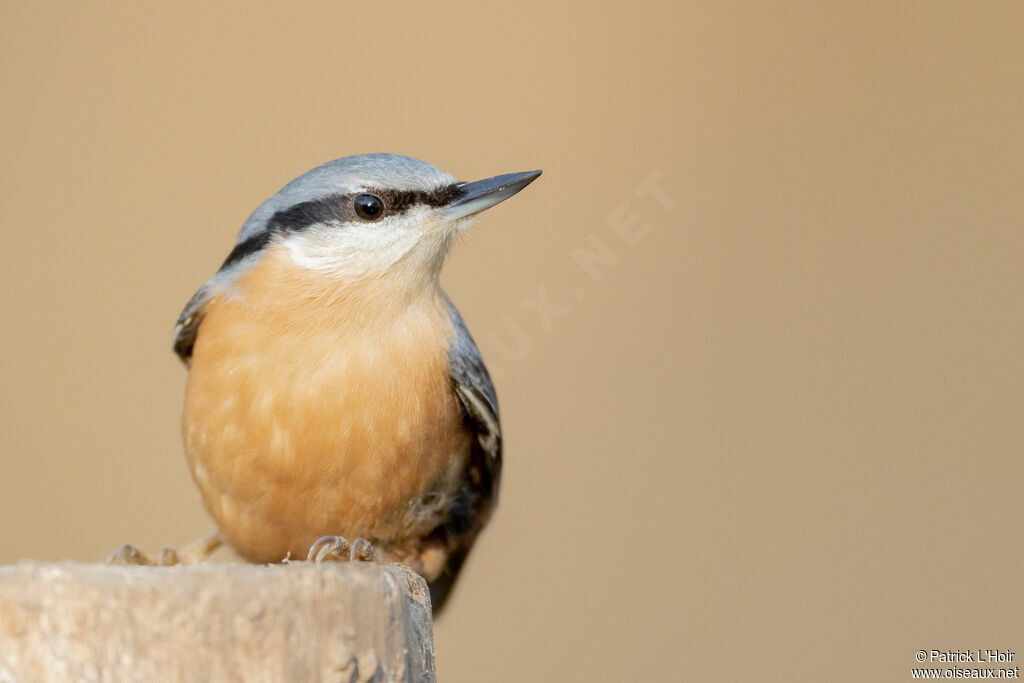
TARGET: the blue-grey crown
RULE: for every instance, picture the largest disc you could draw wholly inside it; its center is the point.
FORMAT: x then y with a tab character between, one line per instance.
346	176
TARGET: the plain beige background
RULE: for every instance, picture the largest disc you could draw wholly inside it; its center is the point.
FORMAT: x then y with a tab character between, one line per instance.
778	439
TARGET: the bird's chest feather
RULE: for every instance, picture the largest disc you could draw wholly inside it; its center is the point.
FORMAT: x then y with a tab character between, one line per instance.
305	416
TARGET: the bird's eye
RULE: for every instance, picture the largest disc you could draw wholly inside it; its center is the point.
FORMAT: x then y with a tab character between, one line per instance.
369	207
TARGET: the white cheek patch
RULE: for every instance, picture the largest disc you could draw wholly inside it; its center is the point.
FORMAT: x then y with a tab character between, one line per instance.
359	248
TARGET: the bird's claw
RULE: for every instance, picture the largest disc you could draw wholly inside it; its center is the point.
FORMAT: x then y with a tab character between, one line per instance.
168	557
329	549
129	554
338	549
362	551
197	551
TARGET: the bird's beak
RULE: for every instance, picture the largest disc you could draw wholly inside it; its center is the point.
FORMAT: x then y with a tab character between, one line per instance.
483	194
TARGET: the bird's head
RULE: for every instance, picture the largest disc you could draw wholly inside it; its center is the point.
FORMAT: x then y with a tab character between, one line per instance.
372	216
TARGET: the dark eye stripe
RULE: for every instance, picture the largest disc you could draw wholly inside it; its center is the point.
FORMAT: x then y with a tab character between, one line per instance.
398	201
337	208
305	214
246	247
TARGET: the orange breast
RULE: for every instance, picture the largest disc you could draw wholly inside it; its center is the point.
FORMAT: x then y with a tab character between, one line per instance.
316	409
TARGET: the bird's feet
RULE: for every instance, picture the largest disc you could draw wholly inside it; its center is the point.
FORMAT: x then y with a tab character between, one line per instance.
132	554
338	549
194	552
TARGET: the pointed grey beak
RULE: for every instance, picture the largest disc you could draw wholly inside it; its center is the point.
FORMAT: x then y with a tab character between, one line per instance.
483	194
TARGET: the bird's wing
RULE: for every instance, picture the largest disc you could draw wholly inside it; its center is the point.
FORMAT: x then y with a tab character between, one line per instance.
473	503
187	327
244	255
476	393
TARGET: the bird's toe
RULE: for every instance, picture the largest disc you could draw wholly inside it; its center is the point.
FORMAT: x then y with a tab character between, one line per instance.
363	551
129	554
329	549
168	557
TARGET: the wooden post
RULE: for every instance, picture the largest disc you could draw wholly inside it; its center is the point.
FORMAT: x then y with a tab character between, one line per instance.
344	621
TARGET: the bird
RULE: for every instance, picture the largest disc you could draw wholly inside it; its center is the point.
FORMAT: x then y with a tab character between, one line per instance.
336	406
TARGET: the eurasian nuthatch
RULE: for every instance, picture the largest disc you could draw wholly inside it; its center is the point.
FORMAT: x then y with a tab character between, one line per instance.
333	390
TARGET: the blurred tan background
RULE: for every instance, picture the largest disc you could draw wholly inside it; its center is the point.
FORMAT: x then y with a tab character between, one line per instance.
773	434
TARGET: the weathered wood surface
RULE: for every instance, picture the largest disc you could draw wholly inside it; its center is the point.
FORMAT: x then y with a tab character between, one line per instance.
214	622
